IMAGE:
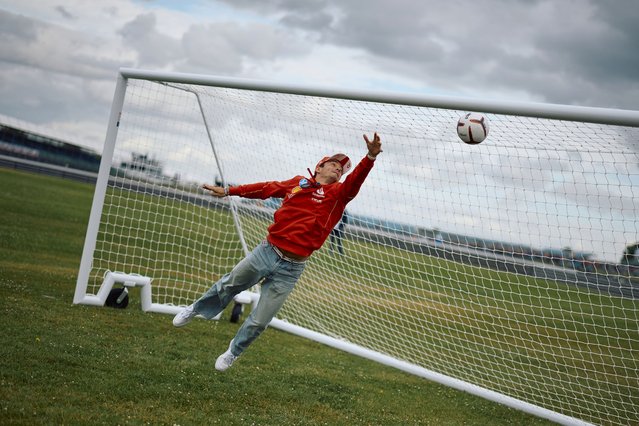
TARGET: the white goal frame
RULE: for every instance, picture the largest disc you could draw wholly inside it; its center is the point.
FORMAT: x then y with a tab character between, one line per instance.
546	111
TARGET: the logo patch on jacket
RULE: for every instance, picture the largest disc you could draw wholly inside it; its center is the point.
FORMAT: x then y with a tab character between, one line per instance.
318	195
305	183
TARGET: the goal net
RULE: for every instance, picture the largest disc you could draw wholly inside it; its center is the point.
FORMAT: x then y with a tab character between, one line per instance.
508	269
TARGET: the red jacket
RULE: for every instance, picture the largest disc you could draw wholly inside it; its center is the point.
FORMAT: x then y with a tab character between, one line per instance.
307	215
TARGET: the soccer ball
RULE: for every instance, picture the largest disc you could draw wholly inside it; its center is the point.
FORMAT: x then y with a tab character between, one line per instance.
472	128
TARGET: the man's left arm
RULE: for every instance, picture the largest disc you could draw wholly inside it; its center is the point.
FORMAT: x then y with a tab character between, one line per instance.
354	181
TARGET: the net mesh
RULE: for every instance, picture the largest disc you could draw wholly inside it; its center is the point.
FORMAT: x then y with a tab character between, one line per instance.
498	264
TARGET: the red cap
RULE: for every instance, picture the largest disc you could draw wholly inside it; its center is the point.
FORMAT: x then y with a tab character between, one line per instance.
340	158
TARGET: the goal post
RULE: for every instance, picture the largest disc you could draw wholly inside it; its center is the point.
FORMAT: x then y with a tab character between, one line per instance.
502	269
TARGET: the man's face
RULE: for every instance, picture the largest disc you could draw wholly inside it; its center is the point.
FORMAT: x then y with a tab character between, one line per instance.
329	172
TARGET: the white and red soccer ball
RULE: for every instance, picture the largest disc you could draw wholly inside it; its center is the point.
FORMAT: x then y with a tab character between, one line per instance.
472	128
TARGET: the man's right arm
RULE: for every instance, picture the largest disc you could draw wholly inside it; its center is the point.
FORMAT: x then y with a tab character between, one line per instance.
259	190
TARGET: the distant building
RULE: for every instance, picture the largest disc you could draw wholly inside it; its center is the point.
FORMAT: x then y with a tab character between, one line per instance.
142	165
24	140
631	255
145	168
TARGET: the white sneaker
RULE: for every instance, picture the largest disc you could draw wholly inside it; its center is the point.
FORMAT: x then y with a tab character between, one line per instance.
184	316
225	360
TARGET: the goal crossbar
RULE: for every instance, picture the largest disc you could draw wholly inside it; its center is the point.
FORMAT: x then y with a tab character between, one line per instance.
620	117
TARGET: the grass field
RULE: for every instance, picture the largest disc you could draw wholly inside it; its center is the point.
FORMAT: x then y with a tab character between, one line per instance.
73	364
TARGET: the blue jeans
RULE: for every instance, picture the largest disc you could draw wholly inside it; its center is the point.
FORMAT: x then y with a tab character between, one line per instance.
279	277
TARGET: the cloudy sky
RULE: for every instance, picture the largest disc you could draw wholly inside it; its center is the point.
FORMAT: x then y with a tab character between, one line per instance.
59	58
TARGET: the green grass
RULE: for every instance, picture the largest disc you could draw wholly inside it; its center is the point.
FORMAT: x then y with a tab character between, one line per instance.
75	364
541	341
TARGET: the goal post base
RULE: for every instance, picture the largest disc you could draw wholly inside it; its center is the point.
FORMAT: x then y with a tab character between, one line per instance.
146	295
127	281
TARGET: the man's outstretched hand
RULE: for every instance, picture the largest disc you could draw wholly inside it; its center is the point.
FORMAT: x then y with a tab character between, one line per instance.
216	191
374	146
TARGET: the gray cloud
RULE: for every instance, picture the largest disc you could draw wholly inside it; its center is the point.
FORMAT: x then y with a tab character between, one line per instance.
16	28
28	42
225	47
64	12
153	48
316	22
579	52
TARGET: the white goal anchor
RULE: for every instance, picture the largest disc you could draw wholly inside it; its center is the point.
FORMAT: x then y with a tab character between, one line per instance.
146	295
